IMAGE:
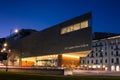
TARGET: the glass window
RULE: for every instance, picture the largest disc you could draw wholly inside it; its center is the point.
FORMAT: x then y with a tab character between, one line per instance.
112	60
91	61
77	26
83	61
96	49
116	47
92	55
117	54
101	61
88	61
112	53
84	24
106	61
74	27
117	60
96	61
96	54
63	30
69	28
105	53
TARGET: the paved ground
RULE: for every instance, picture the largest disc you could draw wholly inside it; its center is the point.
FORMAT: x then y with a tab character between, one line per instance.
96	72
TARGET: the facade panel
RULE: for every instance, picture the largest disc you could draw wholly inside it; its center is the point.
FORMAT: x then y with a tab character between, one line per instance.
51	41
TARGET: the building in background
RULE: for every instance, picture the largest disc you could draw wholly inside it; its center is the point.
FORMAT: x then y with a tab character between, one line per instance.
61	45
105	54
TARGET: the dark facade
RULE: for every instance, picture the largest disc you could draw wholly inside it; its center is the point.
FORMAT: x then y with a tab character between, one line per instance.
51	41
2	41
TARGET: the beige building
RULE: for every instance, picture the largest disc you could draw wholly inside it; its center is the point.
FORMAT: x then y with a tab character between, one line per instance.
105	54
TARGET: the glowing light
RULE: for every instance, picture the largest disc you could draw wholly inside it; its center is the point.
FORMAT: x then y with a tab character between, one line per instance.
117	68
112	68
98	66
4	49
65	55
81	65
1	50
106	68
5	44
68	72
9	50
16	31
85	65
94	66
103	66
90	66
28	59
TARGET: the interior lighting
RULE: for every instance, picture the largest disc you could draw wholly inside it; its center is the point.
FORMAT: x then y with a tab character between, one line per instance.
4	49
94	66
98	66
66	55
112	68
117	68
5	44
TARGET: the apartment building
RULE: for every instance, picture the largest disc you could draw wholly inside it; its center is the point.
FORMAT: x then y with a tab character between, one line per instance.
105	53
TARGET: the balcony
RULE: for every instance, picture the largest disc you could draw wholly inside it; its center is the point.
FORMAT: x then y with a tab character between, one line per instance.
116	63
113	43
116	49
117	55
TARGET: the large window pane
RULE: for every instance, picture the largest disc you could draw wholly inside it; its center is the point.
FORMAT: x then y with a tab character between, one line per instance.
84	24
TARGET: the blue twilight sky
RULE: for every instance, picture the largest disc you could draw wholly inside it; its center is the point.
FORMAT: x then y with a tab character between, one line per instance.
40	14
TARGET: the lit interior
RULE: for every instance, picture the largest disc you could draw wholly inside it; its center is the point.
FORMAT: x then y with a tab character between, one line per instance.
74	27
70	60
67	60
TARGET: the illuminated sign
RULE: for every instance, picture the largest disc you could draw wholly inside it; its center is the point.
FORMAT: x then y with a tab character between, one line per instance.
77	46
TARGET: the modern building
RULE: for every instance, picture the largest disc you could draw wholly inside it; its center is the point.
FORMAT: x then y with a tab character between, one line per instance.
105	54
61	45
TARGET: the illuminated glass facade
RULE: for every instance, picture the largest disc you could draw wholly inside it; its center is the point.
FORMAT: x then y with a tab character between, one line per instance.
74	27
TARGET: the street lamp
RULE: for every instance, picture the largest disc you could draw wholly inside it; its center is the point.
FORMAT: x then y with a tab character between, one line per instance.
16	31
12	31
6	50
5	44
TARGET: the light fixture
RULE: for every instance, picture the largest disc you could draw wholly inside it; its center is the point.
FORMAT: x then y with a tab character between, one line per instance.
5	44
16	31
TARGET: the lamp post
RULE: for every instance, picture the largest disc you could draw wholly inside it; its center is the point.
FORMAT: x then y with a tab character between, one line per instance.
16	31
12	31
5	50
